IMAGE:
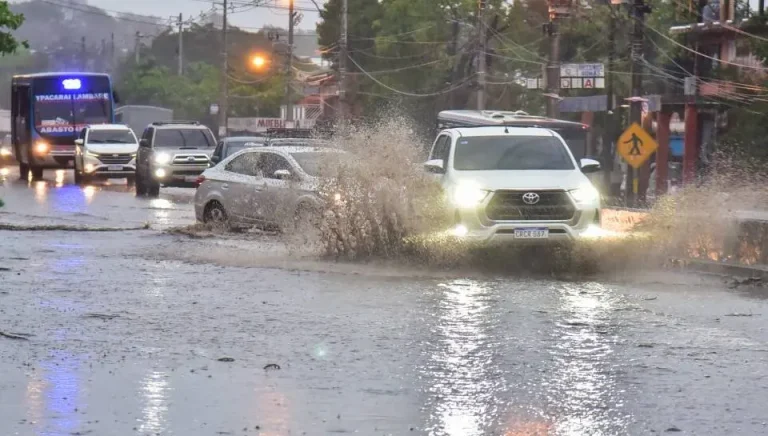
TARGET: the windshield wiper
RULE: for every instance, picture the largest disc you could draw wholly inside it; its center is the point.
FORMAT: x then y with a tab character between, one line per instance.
187	148
115	141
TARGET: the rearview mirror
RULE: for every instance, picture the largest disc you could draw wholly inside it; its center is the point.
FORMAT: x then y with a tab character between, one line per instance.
589	166
282	174
434	166
79	142
143	143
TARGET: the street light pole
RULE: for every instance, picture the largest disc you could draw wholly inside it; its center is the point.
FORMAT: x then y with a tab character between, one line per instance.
289	72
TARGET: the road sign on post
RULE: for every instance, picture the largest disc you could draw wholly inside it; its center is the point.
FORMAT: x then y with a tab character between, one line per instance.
636	145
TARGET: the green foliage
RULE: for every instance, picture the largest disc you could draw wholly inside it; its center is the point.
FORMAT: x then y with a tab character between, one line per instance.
12	22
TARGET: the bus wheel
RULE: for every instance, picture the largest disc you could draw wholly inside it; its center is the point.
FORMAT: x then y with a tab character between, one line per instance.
37	173
23	171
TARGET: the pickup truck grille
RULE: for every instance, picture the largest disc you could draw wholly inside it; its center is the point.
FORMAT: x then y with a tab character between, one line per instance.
115	159
509	206
192	159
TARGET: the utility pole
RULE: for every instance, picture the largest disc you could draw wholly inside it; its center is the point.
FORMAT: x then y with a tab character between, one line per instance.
289	69
137	47
553	66
224	76
638	11
181	46
609	134
481	56
343	54
112	52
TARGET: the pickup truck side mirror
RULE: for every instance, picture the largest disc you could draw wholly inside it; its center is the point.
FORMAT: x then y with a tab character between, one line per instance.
79	142
144	143
215	159
589	166
435	166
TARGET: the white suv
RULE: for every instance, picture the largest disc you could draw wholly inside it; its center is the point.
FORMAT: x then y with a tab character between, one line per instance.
105	151
513	183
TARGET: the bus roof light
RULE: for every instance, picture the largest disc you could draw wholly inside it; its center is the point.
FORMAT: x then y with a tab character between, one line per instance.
71	84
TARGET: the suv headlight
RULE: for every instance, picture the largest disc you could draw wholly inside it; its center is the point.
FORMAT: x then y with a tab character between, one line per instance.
585	194
162	158
468	195
90	153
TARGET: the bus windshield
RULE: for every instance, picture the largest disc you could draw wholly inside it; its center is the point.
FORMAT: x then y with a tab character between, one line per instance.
59	112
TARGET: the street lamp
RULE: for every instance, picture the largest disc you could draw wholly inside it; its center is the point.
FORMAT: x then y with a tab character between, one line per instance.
258	62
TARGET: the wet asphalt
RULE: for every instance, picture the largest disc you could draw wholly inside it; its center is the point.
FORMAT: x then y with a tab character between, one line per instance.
136	331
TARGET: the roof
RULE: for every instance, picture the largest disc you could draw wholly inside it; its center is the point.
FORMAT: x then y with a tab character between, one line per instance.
299	149
244	138
503	131
57	74
108	127
469	118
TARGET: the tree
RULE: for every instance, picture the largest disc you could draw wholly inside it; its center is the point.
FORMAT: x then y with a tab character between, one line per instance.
12	22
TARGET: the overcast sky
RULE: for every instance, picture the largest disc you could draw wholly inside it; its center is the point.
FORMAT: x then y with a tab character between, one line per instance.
244	15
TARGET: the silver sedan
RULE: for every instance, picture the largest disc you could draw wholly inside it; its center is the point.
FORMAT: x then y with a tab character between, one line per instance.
267	185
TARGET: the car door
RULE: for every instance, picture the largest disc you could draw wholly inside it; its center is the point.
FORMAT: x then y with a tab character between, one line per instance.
276	194
240	191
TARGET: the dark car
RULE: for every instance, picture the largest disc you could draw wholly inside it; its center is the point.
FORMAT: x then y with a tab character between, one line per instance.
172	153
229	146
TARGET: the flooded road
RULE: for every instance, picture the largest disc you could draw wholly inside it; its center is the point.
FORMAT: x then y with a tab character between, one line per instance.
138	332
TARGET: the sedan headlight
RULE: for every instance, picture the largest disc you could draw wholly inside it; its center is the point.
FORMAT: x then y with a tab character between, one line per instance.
467	195
162	158
586	194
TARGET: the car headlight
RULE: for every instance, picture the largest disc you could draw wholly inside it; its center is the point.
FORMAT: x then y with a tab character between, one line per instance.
90	153
586	194
162	158
5	151
469	195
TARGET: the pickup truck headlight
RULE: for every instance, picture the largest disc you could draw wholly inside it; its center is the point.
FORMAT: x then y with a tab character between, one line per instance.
467	195
586	194
162	158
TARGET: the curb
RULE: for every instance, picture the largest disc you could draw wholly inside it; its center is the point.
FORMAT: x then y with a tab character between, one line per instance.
723	268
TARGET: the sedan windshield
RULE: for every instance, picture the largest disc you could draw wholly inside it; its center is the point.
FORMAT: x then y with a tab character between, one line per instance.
183	138
482	153
111	137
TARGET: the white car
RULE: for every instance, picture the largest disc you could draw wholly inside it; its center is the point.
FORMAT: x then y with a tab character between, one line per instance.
513	183
260	186
105	151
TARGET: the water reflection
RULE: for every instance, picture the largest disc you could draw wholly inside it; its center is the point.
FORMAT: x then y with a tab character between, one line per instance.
41	191
463	395
54	397
161	209
59	178
154	391
582	387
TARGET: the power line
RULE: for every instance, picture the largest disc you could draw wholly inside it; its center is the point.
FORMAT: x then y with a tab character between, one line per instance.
105	13
405	93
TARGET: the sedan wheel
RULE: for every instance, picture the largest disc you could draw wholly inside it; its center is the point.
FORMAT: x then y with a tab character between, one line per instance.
215	214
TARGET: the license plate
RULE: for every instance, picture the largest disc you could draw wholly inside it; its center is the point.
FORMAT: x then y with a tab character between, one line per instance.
190	179
533	233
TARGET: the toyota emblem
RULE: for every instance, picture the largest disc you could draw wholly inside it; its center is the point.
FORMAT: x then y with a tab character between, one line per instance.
531	198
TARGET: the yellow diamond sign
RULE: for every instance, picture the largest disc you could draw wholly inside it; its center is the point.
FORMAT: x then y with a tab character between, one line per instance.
636	145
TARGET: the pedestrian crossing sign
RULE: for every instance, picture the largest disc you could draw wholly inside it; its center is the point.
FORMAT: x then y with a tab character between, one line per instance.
636	145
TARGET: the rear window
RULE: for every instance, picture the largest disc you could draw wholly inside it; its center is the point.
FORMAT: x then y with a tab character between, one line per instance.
183	138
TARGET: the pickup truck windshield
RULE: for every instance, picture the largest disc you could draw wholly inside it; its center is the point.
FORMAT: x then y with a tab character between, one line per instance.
482	153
